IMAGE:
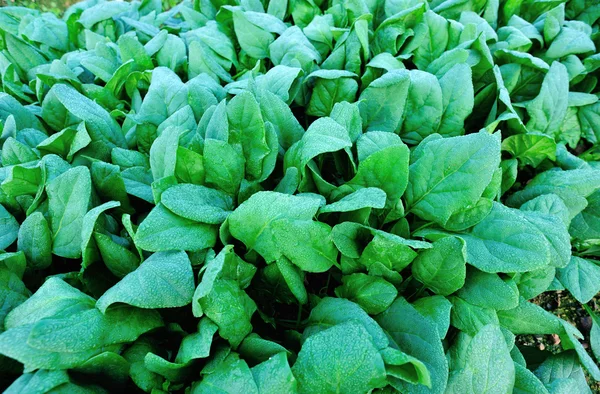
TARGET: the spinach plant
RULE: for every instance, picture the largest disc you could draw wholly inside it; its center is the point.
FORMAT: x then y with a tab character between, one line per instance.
298	196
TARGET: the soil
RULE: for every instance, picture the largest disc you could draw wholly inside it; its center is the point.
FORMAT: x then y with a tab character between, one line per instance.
562	304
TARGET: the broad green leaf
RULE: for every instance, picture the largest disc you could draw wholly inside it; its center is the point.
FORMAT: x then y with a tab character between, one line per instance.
258	350
369	197
526	382
88	250
506	242
68	201
416	336
442	268
294	278
330	88
251	222
10	228
470	318
274	376
246	125
339	359
401	366
35	240
231	376
437	309
197	203
570	41
488	365
562	373
99	124
230	308
489	290
450	173
594	332
530	149
457	99
335	311
162	230
379	113
165	280
549	108
424	107
571	339
305	243
372	293
39	381
386	169
528	318
586	225
581	277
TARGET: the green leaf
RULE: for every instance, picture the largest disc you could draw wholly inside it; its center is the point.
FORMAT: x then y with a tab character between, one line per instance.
373	294
526	382
563	371
330	88
570	41
305	243
433	38
197	203
376	110
530	149
571	338
223	165
581	277
586	225
246	125
528	318
230	308
251	222
449	173
52	298
334	311
457	99
39	381
437	309
369	197
165	280
416	336
424	107
88	250
339	359
488	365
386	169
489	290
442	268
10	228
470	318
549	108
35	240
294	278
68	201
231	376
401	366
274	376
99	124
594	332
506	242
162	230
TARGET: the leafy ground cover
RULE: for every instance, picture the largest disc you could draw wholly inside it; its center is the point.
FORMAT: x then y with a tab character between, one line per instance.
300	197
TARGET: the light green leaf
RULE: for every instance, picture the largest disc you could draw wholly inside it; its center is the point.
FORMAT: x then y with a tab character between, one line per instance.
68	198
165	280
449	173
339	359
162	230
